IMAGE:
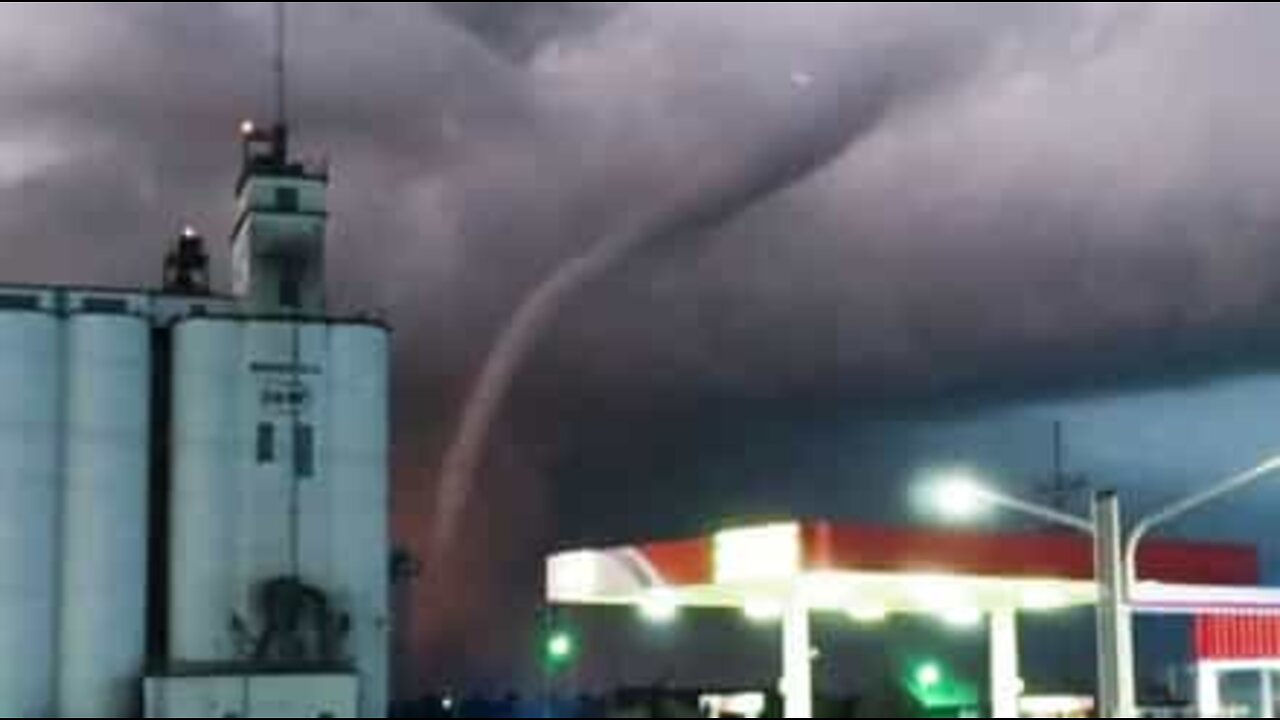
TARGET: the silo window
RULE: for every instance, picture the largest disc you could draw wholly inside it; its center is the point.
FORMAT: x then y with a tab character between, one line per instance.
304	451
288	199
266	443
105	305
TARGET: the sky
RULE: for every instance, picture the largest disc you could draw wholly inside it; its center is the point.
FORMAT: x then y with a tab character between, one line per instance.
1024	192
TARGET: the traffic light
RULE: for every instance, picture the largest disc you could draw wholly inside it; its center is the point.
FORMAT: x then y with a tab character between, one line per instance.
928	676
935	686
559	643
561	648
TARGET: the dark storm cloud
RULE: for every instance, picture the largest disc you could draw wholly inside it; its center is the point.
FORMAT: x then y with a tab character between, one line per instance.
519	30
1087	175
1075	193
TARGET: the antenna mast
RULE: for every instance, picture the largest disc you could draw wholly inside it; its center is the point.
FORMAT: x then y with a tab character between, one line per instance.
281	64
1064	486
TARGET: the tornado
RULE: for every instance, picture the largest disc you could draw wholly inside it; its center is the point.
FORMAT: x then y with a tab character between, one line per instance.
825	117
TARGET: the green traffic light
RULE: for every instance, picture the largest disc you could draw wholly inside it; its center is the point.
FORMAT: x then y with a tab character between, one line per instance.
934	685
929	676
560	647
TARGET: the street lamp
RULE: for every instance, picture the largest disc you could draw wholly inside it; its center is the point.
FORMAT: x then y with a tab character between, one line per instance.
660	608
963	496
1178	510
1144	528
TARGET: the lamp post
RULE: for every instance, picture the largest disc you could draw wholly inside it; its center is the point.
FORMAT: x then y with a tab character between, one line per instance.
1144	528
1116	563
964	497
1118	693
1178	510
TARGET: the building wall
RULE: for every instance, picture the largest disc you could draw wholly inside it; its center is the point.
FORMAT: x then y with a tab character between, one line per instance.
76	449
160	309
356	452
281	229
207	437
106	453
74	443
312	503
31	392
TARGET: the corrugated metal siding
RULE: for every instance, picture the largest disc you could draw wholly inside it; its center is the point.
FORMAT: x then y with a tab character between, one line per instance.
1237	638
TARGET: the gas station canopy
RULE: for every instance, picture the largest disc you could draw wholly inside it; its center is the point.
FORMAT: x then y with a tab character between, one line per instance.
786	572
872	572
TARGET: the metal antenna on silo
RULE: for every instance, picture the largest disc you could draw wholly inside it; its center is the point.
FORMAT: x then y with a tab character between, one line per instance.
282	64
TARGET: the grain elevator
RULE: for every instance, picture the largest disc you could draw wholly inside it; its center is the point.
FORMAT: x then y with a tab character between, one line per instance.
193	485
